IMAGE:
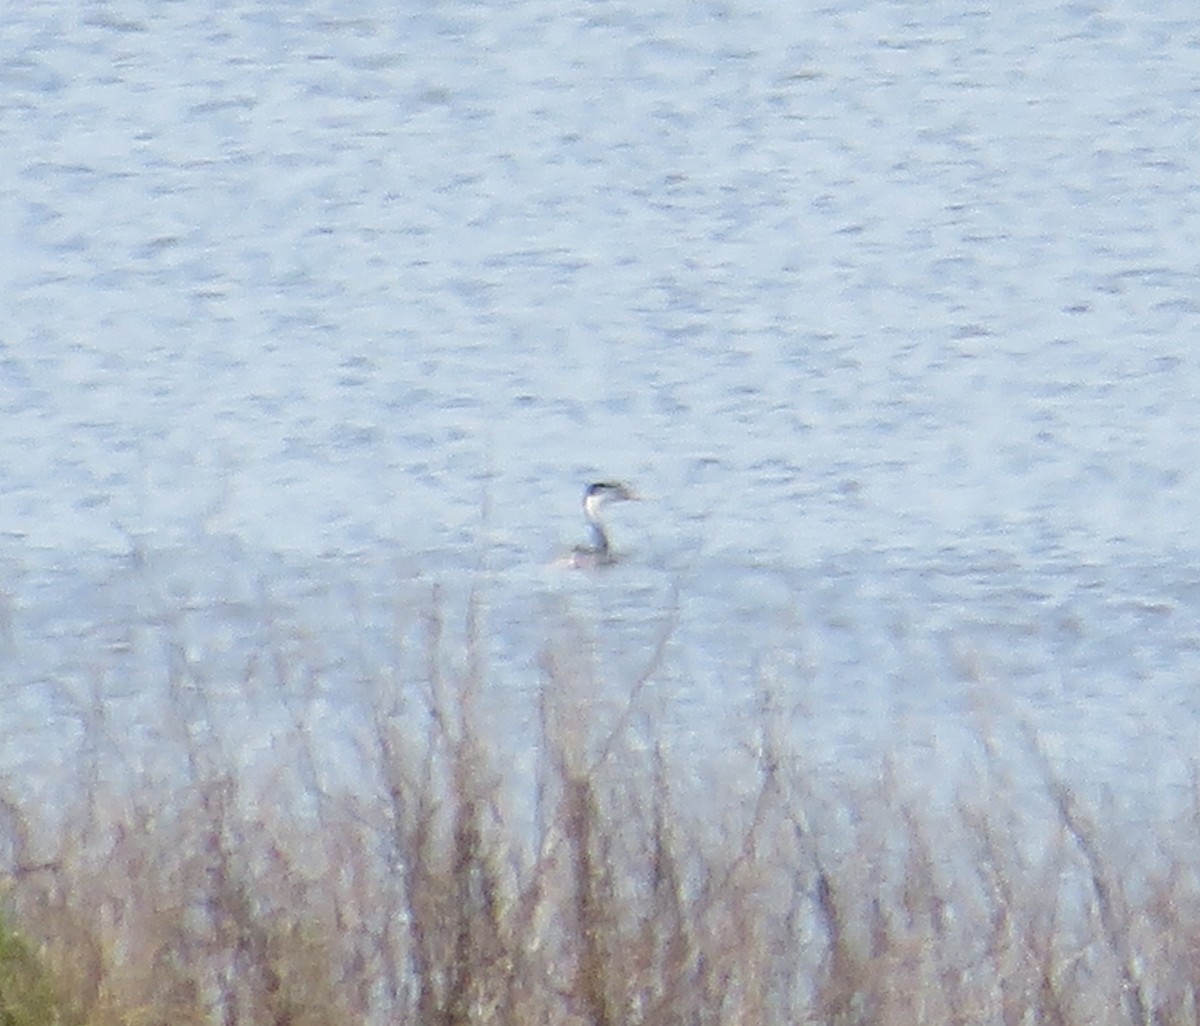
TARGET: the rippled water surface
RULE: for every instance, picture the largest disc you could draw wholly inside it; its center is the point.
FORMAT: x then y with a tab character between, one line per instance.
889	309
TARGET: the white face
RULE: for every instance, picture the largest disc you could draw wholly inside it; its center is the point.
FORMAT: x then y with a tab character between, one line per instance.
601	497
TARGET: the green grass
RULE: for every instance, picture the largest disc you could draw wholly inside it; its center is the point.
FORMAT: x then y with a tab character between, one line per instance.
27	994
449	886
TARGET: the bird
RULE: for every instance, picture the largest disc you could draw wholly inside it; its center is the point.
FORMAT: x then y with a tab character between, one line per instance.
595	497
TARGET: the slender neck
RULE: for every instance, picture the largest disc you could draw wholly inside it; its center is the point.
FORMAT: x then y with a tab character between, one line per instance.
599	538
591	510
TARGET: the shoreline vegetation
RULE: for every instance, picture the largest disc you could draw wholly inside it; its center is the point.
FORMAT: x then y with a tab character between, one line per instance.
449	888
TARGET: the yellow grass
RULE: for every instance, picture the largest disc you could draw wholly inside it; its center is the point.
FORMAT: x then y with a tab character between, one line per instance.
448	888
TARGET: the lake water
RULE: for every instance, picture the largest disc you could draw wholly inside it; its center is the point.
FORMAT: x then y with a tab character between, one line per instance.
889	309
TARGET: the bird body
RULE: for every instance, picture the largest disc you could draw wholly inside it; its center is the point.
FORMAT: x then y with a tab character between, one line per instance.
595	497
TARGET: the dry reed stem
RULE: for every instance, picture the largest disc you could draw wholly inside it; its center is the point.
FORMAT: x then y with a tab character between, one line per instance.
412	896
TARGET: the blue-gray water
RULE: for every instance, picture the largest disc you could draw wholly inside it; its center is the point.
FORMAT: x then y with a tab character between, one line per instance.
890	309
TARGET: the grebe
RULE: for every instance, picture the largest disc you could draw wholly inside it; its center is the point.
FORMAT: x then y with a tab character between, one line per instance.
595	498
